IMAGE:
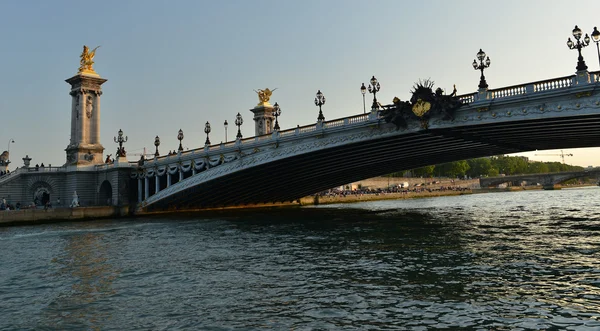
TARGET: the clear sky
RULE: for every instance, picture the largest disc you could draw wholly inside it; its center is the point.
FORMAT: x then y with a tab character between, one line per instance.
177	64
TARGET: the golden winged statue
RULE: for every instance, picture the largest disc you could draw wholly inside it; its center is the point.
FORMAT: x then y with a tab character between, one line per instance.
86	62
264	96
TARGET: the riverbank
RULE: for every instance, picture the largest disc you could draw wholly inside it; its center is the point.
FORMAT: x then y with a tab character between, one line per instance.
54	215
39	216
352	198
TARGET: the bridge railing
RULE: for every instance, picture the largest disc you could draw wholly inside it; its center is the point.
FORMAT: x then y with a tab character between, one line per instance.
9	175
44	169
500	93
248	142
529	88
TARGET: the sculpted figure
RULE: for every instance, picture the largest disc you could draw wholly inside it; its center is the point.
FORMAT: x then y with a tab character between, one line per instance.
3	157
75	201
264	95
87	59
89	107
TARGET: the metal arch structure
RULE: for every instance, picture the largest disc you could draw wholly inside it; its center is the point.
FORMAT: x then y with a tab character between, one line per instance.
286	165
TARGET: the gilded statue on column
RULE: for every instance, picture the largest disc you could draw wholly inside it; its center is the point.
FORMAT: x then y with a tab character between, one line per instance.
86	61
264	96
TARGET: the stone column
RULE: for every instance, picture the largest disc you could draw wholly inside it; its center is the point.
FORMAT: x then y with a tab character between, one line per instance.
74	99
168	178
156	182
85	147
263	119
139	190
146	188
180	175
96	116
81	121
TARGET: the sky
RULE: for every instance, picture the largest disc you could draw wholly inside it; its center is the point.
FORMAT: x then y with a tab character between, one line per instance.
177	64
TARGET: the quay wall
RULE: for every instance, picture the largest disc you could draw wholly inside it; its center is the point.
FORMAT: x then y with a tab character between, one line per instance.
37	216
323	200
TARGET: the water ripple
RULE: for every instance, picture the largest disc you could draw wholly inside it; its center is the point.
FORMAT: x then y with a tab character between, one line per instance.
511	261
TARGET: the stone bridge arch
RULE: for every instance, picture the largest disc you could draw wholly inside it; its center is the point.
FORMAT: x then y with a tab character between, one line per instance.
41	190
547	180
105	193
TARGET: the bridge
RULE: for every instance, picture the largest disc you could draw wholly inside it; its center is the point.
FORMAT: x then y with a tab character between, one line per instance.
284	165
547	180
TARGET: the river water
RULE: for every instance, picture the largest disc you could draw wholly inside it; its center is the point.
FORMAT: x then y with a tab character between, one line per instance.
498	261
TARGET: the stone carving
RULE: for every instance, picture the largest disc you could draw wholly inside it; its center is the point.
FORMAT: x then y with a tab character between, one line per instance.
86	61
89	107
4	158
89	156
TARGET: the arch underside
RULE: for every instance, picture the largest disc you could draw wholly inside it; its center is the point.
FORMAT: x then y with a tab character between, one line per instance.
301	175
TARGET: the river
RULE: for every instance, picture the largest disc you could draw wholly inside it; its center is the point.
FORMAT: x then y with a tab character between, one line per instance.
503	261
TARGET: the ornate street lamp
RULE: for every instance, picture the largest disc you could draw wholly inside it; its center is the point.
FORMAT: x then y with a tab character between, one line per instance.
239	121
579	45
276	113
120	140
320	101
363	90
10	141
374	87
156	144
207	131
225	125
180	138
482	65
596	39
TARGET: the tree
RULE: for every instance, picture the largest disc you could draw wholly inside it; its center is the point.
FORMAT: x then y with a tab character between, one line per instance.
479	167
426	171
537	168
452	169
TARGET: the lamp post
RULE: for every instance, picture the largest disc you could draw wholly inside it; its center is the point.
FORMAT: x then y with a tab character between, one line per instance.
276	113
579	45
225	125
363	90
180	138
374	87
239	121
320	101
596	39
207	131
482	65
120	140
156	144
10	141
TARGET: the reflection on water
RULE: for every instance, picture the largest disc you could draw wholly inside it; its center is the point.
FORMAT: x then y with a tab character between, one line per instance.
509	261
84	265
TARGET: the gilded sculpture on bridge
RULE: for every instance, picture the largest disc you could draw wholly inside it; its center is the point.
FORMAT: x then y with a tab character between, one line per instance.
86	62
423	104
264	96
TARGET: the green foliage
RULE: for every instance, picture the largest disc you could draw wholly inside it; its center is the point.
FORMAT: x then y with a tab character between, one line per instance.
488	167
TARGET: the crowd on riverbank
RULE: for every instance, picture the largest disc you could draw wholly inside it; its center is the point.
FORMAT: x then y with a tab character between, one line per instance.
392	190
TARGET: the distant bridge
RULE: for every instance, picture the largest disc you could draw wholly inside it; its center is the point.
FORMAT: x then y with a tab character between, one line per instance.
285	165
547	180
